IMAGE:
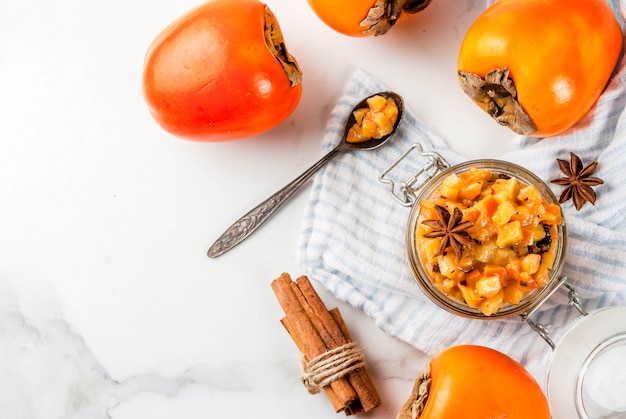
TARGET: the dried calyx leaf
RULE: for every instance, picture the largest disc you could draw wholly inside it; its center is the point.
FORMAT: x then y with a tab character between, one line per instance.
276	44
385	13
381	17
416	403
497	94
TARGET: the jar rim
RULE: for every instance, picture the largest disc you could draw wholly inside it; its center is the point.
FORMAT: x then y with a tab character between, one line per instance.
529	302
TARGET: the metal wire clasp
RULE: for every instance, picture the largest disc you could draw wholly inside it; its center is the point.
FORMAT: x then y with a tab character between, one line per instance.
544	329
405	194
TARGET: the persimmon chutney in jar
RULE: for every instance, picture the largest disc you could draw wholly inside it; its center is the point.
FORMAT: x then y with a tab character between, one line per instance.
486	239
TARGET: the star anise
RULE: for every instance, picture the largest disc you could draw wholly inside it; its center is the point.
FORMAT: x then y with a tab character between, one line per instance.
450	229
578	181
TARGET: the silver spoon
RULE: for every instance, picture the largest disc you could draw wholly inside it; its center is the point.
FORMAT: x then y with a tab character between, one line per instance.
247	224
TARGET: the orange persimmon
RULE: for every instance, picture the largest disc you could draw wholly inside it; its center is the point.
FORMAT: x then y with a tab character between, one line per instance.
361	18
538	66
475	382
221	72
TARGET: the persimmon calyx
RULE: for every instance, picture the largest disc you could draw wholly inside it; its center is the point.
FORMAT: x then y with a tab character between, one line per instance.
385	13
276	44
497	94
414	406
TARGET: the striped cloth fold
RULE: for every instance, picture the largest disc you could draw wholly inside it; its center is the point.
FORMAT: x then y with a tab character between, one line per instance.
352	238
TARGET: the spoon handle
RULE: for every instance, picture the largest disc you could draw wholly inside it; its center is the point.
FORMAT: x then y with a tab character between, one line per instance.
247	224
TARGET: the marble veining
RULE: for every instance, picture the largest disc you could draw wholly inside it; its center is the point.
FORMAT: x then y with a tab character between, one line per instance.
48	372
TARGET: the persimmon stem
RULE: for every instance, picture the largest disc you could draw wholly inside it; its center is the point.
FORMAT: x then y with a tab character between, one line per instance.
415	6
497	95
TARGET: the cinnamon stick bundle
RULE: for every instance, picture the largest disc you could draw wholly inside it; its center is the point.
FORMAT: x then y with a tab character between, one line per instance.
323	339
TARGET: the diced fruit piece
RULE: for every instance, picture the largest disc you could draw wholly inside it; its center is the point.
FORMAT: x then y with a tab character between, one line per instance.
487	205
523	214
471	191
471	278
528	194
513	293
531	262
505	189
491	304
471	214
502	255
449	268
471	297
513	269
503	213
552	214
376	103
488	286
495	270
466	263
449	189
369	129
484	252
359	114
542	276
533	234
428	248
448	285
509	234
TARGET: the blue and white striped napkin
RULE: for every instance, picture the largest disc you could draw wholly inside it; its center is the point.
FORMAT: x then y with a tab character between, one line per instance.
352	237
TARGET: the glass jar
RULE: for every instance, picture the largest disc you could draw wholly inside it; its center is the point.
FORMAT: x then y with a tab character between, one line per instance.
533	298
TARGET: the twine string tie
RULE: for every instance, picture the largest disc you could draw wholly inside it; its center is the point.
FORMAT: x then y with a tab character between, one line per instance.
331	365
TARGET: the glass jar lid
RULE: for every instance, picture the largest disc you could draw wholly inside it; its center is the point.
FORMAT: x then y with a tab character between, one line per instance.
587	374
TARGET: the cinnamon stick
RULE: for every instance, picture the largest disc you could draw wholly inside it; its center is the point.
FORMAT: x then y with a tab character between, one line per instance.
311	343
333	338
337	403
315	330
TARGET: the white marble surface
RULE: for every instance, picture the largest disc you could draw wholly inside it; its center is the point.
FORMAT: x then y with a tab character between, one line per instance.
109	307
